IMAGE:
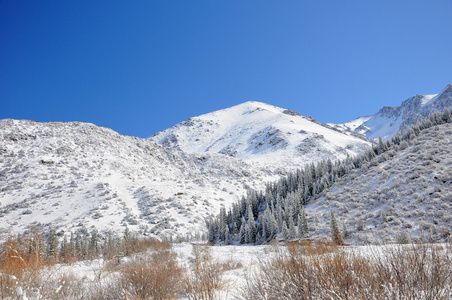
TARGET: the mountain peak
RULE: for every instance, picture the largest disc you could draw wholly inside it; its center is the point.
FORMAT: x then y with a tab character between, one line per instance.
271	137
253	106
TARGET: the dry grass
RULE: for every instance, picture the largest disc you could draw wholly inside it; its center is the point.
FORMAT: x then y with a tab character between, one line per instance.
403	272
25	269
20	262
299	271
310	248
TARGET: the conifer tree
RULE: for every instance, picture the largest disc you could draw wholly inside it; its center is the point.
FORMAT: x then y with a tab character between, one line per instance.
251	227
303	224
336	235
345	232
52	243
64	248
94	242
242	232
293	233
223	227
285	231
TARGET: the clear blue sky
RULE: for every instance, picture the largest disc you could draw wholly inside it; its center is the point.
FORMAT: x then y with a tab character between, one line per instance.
142	66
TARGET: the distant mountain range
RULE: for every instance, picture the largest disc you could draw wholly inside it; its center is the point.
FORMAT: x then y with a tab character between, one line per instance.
388	120
77	176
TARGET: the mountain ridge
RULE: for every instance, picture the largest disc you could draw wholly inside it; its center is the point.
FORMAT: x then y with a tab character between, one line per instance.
260	133
77	175
388	120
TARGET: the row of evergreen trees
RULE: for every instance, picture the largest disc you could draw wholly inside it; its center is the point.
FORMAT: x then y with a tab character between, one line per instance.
279	210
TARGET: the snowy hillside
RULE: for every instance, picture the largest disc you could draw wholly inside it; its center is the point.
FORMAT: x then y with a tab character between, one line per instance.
74	175
264	135
388	120
405	191
398	189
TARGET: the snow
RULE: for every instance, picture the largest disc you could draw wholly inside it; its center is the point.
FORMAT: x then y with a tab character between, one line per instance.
261	134
75	175
402	191
426	99
389	120
96	273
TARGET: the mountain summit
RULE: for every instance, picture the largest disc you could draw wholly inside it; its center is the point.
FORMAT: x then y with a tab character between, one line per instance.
268	136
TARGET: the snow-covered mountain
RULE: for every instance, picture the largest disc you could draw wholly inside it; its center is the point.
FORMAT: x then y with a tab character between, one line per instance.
388	120
75	175
270	137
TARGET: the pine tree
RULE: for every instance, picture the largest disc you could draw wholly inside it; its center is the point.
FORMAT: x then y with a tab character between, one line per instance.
64	248
345	232
52	243
126	241
223	228
242	233
293	233
94	242
336	235
251	227
211	231
226	239
303	224
285	231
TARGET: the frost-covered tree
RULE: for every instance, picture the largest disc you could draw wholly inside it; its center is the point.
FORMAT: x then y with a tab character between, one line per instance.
303	228
52	243
336	235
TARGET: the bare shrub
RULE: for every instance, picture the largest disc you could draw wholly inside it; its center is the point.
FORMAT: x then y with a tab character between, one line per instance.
204	276
414	271
58	286
154	277
20	261
140	245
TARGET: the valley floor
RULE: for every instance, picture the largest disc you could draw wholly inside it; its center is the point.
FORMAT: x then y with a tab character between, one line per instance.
422	271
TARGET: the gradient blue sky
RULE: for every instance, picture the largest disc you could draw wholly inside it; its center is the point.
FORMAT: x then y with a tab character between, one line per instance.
142	66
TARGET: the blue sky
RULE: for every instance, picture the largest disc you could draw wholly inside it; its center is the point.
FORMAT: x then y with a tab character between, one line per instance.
142	66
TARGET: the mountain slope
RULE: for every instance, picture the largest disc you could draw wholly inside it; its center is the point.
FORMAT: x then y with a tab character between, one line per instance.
399	189
404	192
75	175
264	135
388	120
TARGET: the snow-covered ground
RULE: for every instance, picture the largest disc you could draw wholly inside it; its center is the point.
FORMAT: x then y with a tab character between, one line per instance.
97	274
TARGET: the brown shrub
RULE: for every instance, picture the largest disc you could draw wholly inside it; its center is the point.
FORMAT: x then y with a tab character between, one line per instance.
403	272
154	277
204	277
